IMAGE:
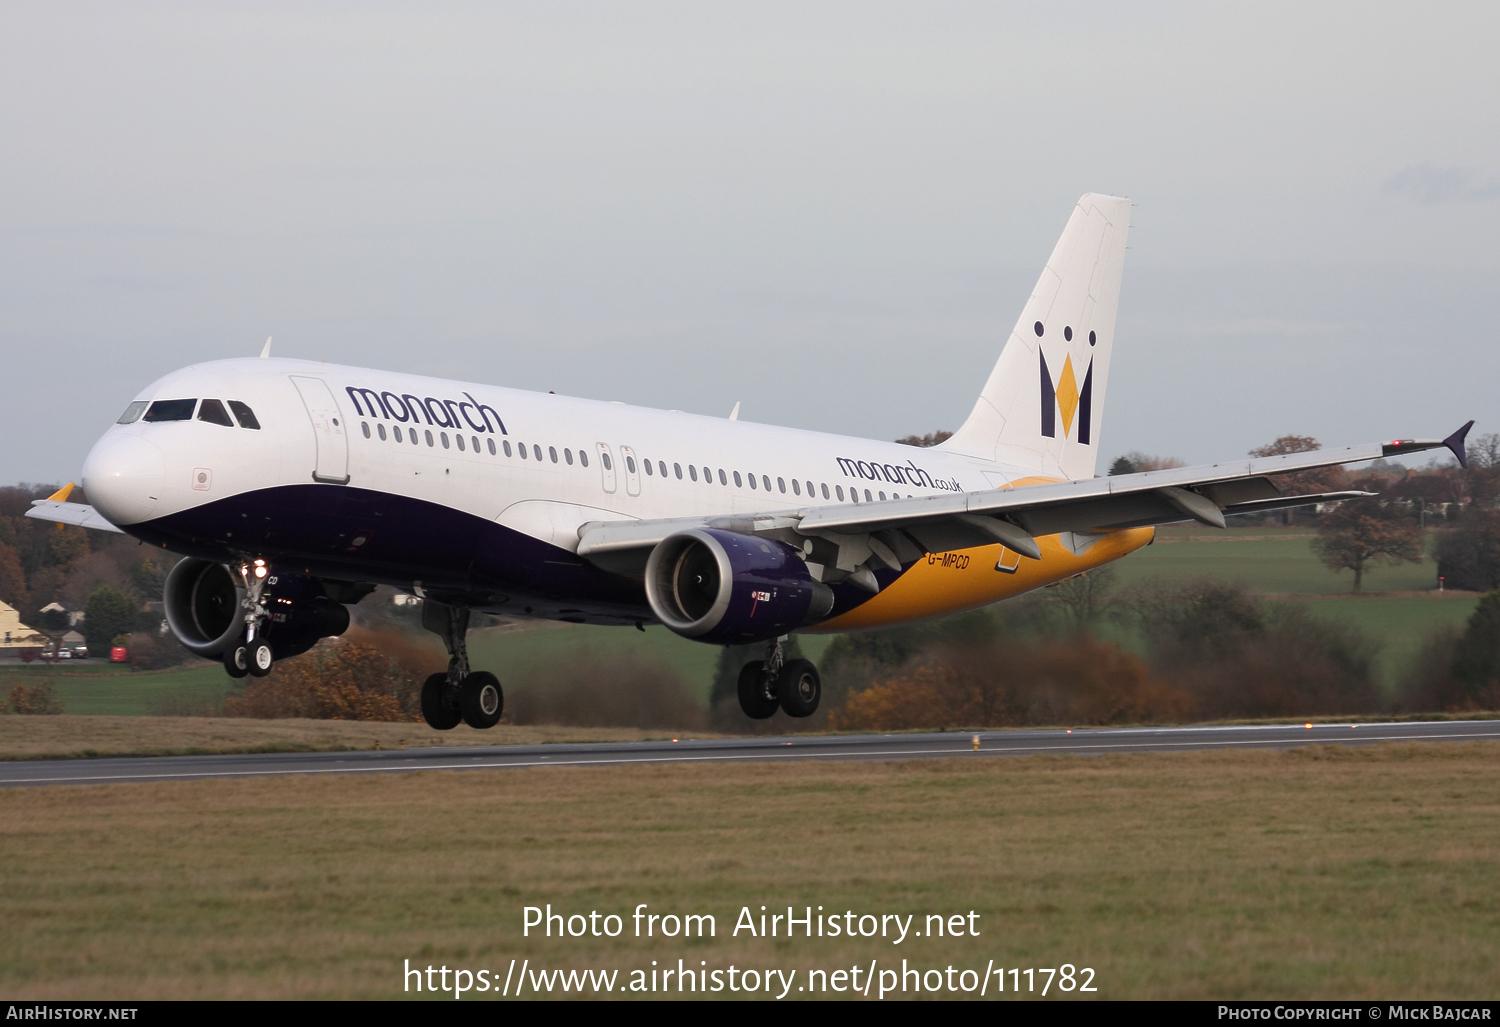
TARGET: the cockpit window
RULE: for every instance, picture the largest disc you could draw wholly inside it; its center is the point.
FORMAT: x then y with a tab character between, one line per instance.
133	412
171	410
212	411
246	415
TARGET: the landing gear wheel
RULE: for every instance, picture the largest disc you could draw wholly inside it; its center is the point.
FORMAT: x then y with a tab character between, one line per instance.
753	698
799	688
236	663
259	658
436	710
480	700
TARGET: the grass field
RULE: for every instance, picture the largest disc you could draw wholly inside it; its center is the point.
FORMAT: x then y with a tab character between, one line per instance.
69	736
1315	873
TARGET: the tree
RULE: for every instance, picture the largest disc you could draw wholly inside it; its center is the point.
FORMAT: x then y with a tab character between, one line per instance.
12	578
1476	659
1302	483
926	441
109	613
1135	461
1468	556
1358	532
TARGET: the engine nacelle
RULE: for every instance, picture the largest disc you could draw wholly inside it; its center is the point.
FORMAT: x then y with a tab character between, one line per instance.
724	587
202	603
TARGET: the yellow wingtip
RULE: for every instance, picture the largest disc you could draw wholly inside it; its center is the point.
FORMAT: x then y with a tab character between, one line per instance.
61	495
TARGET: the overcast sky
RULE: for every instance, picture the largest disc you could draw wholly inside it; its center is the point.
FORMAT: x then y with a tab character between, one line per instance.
830	212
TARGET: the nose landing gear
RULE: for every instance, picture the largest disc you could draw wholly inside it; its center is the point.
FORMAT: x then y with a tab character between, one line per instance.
792	685
252	654
458	695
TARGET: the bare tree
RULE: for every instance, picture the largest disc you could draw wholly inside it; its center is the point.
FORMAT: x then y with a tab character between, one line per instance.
1359	532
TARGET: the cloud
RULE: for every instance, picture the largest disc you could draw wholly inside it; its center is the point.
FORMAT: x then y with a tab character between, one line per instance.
1428	185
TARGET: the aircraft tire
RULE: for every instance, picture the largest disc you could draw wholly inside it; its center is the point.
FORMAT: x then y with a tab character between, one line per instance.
438	714
799	688
236	665
481	701
752	691
259	659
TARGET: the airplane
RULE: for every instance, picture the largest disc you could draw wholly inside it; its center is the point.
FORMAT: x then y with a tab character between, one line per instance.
292	488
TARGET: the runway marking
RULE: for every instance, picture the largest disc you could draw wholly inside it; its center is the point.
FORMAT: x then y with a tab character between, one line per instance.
712	757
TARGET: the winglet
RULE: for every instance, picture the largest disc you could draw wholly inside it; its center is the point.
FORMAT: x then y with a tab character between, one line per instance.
734	415
1455	442
265	351
61	495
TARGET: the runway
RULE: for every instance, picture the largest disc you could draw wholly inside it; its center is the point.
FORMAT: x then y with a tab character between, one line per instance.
949	745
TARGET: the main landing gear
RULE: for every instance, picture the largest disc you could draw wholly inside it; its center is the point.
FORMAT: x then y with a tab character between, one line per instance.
458	694
776	682
251	654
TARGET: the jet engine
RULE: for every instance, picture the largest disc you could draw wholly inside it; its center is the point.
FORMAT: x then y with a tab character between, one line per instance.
202	603
724	587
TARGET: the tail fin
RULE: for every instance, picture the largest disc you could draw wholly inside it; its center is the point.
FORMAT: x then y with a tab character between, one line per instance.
1042	406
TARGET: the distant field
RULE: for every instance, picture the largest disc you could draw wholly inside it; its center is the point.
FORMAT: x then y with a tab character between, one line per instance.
1315	873
1399	608
102	689
1271	560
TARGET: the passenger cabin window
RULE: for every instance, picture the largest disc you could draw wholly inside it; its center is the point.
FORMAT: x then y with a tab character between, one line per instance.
583	458
737	483
171	410
662	466
677	469
693	471
380	429
444	436
507	447
568	457
647	464
364	426
492	446
765	481
796	488
245	414
723	480
607	465
429	437
521	448
537	450
781	484
133	412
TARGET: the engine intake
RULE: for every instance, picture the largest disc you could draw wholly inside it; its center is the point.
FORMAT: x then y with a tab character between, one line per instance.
724	587
202	604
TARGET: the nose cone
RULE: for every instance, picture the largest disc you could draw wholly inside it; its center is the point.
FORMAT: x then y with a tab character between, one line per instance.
123	477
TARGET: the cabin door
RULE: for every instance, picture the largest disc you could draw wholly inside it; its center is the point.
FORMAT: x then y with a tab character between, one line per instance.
328	428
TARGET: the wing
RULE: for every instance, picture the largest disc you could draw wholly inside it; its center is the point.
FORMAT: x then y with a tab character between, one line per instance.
56	508
841	539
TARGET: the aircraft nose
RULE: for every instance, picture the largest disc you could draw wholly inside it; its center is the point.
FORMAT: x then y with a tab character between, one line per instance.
123	477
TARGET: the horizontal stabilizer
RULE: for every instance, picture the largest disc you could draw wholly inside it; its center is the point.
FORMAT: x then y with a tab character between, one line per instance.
70	513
